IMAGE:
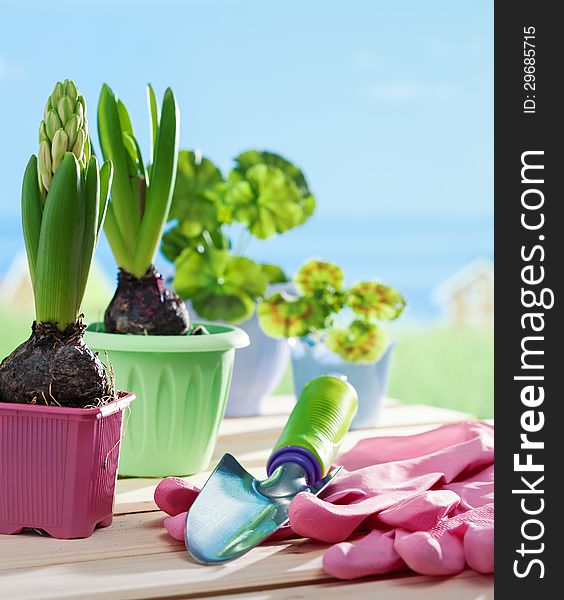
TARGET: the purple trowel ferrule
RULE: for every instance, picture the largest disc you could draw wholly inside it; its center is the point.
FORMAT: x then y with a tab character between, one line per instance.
299	456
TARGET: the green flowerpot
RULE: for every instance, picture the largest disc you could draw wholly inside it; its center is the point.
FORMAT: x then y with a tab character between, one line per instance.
181	383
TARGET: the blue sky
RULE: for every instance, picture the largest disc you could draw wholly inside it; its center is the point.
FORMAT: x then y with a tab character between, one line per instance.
387	106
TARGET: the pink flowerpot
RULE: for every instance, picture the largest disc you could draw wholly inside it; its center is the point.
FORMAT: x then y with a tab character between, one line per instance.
58	467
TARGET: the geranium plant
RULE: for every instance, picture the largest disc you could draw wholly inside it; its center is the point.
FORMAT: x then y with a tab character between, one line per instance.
64	200
347	320
265	194
140	201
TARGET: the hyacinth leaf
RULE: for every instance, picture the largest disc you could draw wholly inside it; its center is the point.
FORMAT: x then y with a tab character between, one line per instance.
375	300
32	212
92	207
154	119
106	176
126	206
131	155
124	120
280	316
265	200
59	257
220	286
362	342
141	165
197	193
138	178
273	273
159	194
119	248
317	275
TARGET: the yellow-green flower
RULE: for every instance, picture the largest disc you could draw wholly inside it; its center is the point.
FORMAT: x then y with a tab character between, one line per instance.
373	299
362	342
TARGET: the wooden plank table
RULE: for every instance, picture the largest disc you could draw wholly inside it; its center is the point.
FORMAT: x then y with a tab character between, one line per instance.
136	559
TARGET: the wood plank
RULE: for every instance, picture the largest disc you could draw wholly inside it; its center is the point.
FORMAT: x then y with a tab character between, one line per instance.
129	536
295	566
166	575
465	586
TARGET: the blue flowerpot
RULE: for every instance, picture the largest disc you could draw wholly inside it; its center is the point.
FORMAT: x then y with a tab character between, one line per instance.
370	381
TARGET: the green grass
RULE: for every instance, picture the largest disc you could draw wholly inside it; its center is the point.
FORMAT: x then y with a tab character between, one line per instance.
15	327
449	367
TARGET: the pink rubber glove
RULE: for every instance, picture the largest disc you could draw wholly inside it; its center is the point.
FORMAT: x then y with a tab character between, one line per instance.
428	460
456	461
175	496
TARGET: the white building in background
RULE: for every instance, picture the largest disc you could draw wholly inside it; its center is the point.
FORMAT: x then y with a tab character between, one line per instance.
467	297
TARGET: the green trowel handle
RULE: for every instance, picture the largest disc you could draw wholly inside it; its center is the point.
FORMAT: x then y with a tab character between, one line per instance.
319	421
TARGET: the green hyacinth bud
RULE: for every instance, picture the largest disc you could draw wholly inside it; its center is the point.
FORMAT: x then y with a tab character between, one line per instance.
43	137
63	129
70	88
53	123
59	146
58	92
44	163
78	146
71	129
65	108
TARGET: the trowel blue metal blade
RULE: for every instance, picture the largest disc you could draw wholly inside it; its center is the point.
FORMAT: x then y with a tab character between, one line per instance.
234	512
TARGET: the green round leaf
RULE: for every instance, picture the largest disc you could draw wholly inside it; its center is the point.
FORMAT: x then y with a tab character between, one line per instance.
265	200
225	306
177	238
317	275
273	273
280	316
373	299
249	159
308	207
197	193
174	241
362	342
220	286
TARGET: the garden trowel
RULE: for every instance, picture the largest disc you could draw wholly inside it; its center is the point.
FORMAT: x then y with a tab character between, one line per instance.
234	512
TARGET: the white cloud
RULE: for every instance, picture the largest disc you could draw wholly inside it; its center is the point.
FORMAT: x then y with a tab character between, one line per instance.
408	90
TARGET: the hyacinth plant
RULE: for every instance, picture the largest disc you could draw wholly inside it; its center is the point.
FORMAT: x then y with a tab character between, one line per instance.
64	201
139	205
262	196
317	312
